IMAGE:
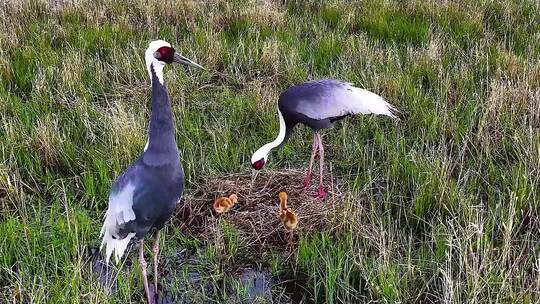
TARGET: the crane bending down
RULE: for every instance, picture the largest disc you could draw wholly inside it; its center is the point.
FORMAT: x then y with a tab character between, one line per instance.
145	195
318	104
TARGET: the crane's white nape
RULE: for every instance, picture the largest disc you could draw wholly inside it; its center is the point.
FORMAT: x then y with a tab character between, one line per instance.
120	212
152	61
262	152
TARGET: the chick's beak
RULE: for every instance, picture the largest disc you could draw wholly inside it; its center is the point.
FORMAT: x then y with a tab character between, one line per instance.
178	58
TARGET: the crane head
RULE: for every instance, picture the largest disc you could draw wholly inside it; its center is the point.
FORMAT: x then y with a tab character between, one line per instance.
259	164
166	54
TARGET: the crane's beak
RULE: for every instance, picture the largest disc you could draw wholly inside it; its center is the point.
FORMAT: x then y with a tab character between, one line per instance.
254	174
184	60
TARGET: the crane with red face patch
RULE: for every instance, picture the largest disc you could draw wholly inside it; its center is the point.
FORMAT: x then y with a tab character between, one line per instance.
318	104
144	196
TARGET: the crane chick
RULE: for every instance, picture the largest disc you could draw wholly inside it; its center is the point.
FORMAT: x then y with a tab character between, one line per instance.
288	218
224	204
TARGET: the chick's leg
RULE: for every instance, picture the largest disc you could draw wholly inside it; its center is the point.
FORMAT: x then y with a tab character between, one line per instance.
290	239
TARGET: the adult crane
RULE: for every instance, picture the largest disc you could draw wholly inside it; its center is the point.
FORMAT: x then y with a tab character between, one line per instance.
144	196
318	104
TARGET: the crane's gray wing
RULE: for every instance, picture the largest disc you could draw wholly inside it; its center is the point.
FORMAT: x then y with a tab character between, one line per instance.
120	212
142	198
328	98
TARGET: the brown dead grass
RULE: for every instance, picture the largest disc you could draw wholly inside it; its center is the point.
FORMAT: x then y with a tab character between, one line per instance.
47	140
255	216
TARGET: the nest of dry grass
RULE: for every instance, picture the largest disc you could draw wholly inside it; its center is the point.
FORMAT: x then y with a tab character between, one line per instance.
255	216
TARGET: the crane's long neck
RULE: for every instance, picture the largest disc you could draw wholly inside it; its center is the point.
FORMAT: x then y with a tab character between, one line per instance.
161	140
285	132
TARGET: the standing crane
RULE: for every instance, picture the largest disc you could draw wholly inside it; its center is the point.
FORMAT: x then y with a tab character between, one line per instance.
144	197
318	104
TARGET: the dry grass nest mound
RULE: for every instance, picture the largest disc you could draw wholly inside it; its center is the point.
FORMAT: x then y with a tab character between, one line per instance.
255	216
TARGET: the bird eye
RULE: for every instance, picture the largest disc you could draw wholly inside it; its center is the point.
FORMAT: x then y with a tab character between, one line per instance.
258	165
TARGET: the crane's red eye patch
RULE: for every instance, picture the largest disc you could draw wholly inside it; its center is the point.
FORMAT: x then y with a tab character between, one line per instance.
258	165
165	53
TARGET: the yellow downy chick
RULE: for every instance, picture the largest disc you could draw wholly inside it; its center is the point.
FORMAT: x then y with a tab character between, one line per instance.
224	204
288	218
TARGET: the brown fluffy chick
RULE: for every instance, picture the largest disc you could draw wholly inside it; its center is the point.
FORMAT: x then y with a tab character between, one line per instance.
224	204
288	218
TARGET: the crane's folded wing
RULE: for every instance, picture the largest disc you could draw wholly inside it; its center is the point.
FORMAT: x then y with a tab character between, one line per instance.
328	98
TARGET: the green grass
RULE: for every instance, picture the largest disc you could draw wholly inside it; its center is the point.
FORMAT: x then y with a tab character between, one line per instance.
442	206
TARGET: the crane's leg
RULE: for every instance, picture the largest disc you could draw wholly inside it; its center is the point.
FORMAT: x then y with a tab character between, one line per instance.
307	179
155	250
143	268
320	190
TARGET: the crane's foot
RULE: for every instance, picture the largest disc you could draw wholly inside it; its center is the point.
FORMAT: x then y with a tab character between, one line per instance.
320	192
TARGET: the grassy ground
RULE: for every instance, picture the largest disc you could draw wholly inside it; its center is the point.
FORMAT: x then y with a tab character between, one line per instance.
441	207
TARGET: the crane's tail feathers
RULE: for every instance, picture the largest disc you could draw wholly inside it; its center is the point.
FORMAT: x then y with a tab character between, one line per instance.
371	103
112	244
